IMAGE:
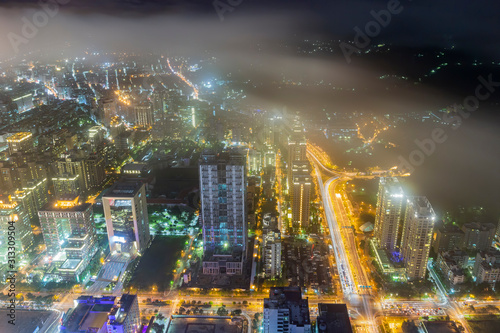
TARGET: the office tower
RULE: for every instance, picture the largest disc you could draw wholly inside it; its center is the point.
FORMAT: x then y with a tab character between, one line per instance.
66	186
297	145
143	114
223	210
12	211
300	193
254	161
72	166
96	136
270	158
68	227
159	105
126	217
116	127
27	170
272	253
95	173
417	236
21	142
9	178
389	212
39	188
24	175
333	318
33	197
89	169
107	107
297	150
448	237
299	178
124	317
124	141
286	311
478	236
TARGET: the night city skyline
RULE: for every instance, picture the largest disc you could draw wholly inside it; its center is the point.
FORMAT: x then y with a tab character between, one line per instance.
249	166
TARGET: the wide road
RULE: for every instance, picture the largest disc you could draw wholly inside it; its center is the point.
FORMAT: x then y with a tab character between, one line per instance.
351	272
453	307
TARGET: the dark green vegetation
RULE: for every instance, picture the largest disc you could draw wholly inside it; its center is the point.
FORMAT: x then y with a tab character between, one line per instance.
156	266
485	326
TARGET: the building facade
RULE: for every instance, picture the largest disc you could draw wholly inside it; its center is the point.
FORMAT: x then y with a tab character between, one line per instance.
127	223
68	228
478	236
286	311
21	142
124	317
223	201
300	193
389	213
14	222
272	254
417	236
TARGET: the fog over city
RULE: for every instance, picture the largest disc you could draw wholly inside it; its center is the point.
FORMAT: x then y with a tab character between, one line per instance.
322	108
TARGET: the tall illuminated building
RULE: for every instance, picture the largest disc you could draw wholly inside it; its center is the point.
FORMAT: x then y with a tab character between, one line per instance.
12	211
300	193
116	127
33	197
297	144
66	186
254	160
417	236
143	114
96	136
159	105
107	108
389	212
90	169
299	177
69	233
297	148
21	142
223	211
272	254
126	217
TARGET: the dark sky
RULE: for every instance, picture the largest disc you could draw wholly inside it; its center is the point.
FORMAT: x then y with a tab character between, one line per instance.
472	26
189	27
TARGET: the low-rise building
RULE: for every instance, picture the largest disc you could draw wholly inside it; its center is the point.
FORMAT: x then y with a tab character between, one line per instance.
491	257
125	316
488	272
448	237
286	311
451	265
333	318
221	263
478	236
103	315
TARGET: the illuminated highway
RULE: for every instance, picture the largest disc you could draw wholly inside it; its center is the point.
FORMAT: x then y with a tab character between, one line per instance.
183	78
343	267
351	272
